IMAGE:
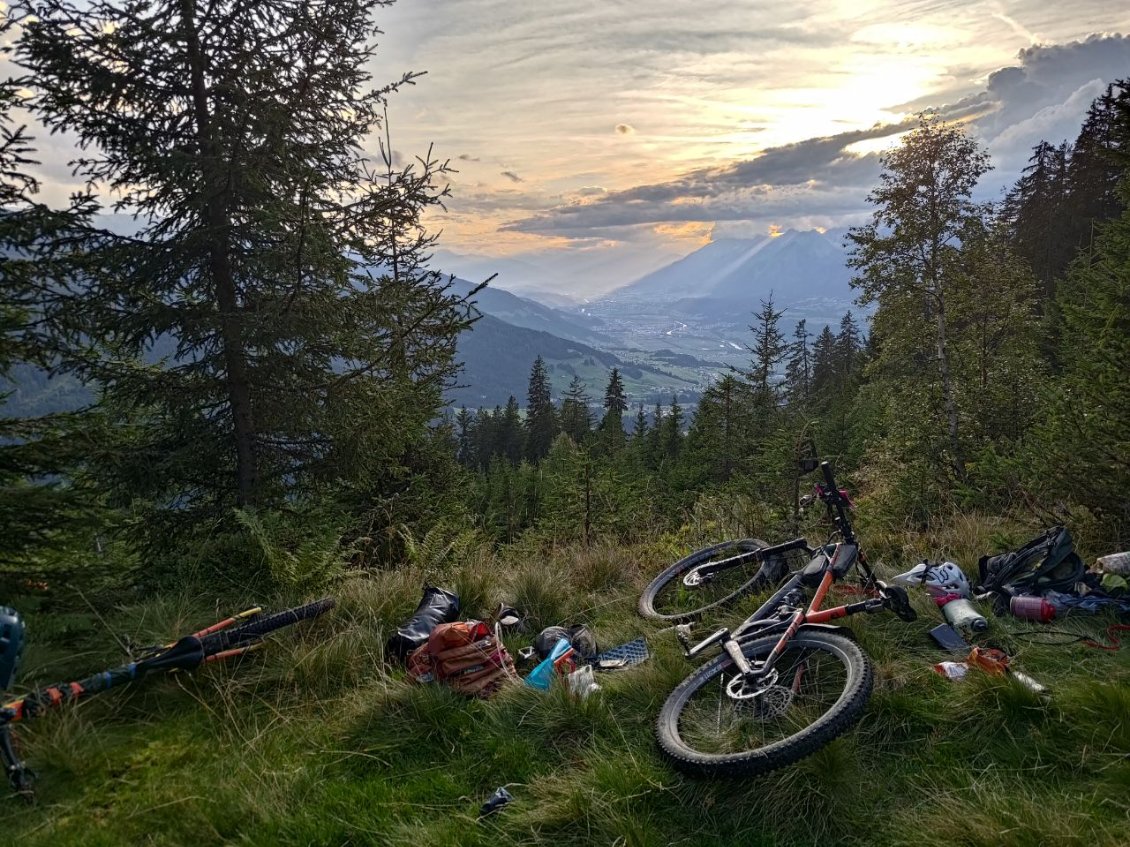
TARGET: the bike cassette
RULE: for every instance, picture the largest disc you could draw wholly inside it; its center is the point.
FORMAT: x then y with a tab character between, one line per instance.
762	698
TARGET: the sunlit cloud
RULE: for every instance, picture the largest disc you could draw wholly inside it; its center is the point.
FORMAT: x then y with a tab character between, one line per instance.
692	233
640	126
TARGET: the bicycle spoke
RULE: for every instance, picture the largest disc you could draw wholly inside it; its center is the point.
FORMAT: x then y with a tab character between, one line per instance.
808	683
676	597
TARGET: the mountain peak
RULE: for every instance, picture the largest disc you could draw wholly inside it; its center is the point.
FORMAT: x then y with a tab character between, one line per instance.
794	265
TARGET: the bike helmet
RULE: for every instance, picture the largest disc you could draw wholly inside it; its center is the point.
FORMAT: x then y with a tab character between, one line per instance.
11	645
580	638
939	578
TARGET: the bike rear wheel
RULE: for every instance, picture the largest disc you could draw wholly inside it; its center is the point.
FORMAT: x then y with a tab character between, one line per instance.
248	633
819	689
667	598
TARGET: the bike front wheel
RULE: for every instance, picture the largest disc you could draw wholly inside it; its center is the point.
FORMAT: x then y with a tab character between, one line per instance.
248	633
669	598
713	725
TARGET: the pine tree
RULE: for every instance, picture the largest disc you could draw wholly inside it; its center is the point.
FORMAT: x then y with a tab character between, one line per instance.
511	433
1079	450
768	351
541	418
36	453
907	257
612	424
640	431
849	343
1098	161
655	445
576	420
719	433
1035	211
465	425
825	371
673	429
798	368
277	276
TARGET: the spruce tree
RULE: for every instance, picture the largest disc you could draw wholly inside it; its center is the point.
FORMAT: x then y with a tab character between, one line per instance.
269	328
511	433
639	433
798	368
37	452
1079	450
541	418
825	371
612	424
849	343
768	351
1098	160
1035	212
465	425
576	420
673	429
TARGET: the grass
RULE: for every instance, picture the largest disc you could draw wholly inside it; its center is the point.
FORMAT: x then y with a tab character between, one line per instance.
316	741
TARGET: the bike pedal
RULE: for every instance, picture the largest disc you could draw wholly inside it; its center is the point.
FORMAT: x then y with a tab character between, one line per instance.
683	634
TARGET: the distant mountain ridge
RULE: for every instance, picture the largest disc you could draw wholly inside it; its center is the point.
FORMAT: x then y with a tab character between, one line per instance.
530	314
735	274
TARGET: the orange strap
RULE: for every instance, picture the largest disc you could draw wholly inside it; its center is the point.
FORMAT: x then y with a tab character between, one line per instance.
1111	636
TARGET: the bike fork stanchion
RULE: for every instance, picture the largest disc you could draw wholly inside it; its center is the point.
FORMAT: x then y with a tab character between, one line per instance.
734	651
18	773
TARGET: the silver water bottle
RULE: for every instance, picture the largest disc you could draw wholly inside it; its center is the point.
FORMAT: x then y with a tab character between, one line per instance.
962	614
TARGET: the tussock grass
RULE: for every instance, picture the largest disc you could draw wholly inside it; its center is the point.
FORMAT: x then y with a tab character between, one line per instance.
317	741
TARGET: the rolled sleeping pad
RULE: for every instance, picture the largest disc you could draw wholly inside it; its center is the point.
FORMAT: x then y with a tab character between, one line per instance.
437	606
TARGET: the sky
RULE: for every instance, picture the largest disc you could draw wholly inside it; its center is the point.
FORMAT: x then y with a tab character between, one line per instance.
605	138
597	140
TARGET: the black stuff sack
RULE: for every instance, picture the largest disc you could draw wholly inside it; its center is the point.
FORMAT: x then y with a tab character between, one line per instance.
437	606
1046	563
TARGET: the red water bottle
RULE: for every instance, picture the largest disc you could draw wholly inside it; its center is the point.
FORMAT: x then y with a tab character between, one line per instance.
1032	609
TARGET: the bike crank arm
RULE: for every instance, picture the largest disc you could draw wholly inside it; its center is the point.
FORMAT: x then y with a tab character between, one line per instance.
683	634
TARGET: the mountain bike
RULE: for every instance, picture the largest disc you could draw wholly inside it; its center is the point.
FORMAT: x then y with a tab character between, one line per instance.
787	681
232	637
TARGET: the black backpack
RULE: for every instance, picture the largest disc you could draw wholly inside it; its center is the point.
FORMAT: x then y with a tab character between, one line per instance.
1046	563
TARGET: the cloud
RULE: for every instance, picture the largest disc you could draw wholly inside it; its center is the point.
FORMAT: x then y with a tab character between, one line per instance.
467	157
513	177
782	182
1045	95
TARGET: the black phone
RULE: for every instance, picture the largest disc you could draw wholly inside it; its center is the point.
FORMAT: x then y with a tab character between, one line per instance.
950	639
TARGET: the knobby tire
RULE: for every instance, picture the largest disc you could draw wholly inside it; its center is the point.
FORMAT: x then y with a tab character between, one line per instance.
647	602
256	629
841	716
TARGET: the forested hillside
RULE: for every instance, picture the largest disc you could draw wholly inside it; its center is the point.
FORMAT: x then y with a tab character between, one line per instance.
299	440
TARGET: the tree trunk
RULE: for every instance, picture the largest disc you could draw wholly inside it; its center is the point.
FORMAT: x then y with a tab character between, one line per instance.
218	225
948	401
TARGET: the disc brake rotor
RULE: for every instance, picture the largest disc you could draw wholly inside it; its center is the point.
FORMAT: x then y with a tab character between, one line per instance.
746	688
